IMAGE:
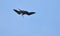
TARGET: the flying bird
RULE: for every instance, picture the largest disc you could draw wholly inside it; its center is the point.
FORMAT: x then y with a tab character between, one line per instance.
23	12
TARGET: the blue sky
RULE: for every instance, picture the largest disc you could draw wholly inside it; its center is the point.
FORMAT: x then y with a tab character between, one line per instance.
46	21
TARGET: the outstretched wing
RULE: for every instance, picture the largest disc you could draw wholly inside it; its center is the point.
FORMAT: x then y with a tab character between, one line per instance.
30	13
18	12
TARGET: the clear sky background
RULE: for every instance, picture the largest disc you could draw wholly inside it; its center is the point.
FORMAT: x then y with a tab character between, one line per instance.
46	21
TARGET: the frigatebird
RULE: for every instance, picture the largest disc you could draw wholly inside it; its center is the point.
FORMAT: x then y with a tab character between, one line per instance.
23	12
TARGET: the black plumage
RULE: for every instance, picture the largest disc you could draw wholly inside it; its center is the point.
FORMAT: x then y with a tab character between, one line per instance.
23	12
18	12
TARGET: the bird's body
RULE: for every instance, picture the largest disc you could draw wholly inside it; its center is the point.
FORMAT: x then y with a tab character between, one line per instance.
23	12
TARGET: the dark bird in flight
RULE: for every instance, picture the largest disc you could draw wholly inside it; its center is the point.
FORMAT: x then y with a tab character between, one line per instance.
23	12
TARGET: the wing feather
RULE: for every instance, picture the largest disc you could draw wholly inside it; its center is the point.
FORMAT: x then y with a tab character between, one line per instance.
16	11
30	13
